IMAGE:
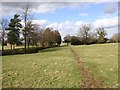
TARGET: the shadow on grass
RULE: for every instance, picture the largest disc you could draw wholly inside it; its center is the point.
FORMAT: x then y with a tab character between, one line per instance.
50	49
30	51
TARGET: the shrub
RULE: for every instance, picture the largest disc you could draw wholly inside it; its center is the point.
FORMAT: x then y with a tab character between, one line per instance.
75	40
22	51
100	41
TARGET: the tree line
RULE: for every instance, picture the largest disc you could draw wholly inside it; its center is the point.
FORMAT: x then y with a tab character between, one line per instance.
86	36
31	34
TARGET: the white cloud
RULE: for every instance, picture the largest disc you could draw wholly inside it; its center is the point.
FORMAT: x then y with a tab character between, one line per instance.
41	22
78	23
110	25
70	27
38	7
111	31
106	22
47	7
67	27
44	7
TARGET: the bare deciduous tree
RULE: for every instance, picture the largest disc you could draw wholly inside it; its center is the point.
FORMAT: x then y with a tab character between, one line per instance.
101	35
85	32
4	24
67	39
26	17
34	34
116	37
29	28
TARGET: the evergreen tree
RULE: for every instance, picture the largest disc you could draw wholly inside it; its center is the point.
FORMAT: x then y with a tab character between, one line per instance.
14	31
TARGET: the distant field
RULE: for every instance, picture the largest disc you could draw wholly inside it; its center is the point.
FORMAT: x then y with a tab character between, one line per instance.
8	47
103	61
56	67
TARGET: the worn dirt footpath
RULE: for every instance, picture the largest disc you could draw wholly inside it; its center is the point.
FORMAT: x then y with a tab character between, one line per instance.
88	80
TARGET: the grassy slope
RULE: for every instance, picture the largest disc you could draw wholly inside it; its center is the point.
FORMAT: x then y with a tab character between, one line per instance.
50	68
103	61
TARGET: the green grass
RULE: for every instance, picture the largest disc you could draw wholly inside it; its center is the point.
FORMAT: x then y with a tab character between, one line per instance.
103	61
50	68
56	67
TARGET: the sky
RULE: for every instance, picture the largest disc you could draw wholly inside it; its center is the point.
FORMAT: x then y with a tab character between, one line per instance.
67	17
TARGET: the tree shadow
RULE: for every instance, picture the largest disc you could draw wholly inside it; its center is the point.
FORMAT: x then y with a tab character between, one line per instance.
53	49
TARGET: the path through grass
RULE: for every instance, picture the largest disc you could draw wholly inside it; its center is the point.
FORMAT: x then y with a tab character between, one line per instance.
57	68
88	80
102	59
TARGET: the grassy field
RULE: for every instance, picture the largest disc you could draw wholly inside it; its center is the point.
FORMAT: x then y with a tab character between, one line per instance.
50	68
56	67
102	60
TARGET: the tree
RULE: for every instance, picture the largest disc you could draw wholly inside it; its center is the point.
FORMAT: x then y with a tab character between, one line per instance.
92	38
41	37
29	30
57	37
116	37
26	18
85	32
101	35
48	37
4	24
14	30
34	34
67	39
75	40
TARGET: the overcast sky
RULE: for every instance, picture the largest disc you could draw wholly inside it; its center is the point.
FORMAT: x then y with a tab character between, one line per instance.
68	16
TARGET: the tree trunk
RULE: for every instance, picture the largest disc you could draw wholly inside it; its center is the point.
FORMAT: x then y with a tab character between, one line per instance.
28	46
32	44
25	43
11	46
28	43
14	47
36	45
2	44
3	40
25	32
